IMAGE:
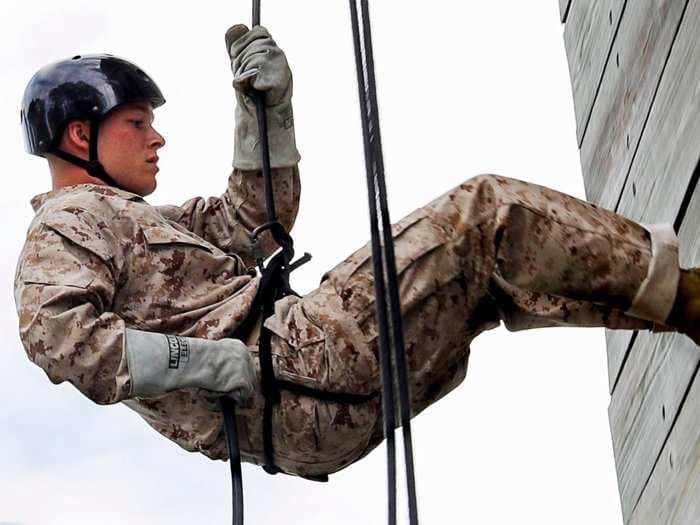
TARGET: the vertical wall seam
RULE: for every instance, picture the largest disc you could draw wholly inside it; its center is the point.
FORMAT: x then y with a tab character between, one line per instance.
651	107
663	446
565	14
624	361
685	204
602	75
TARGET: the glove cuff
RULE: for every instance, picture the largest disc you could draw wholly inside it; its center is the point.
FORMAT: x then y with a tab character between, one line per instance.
247	153
147	355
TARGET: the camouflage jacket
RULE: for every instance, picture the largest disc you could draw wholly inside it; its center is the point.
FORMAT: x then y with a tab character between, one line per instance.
98	260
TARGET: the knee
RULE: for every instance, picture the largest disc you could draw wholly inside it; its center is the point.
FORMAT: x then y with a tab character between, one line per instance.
481	194
489	180
476	201
494	192
485	188
482	178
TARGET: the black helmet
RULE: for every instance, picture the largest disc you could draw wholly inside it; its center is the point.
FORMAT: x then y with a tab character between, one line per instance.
83	87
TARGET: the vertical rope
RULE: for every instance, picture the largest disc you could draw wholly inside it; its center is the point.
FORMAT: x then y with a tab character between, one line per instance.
388	402
256	13
392	348
228	408
261	111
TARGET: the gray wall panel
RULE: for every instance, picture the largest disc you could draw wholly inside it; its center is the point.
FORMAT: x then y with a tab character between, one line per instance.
588	36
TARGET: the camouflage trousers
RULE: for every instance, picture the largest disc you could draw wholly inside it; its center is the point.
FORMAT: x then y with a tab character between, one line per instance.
493	249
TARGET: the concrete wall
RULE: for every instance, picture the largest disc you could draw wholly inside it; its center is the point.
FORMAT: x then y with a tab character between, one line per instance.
635	76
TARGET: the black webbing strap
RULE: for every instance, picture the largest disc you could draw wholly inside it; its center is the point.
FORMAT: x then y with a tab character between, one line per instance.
93	166
392	350
269	291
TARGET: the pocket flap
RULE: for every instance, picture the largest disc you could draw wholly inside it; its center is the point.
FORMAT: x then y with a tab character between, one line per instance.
156	235
81	229
423	240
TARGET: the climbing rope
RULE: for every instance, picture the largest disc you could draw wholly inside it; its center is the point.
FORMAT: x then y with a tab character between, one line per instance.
228	407
274	284
391	344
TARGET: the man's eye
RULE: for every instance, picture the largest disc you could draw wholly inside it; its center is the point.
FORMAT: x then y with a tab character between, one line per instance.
137	123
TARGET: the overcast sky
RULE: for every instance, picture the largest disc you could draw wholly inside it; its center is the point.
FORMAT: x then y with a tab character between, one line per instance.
464	88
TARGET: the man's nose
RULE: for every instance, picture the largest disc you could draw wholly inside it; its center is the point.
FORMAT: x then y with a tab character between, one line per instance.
157	140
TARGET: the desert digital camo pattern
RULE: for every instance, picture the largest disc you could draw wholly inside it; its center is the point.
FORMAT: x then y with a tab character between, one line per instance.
98	260
493	249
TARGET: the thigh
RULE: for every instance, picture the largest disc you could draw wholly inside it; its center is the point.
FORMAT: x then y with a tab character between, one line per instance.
329	338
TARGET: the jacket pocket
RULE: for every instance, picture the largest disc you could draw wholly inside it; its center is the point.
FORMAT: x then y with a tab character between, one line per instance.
175	272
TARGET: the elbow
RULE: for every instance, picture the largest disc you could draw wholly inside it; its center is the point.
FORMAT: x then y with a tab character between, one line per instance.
99	384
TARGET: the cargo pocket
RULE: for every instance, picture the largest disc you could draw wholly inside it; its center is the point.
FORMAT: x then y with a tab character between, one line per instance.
318	346
295	431
415	236
298	345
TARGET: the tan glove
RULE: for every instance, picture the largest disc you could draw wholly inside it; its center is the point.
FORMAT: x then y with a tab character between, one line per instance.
258	64
160	363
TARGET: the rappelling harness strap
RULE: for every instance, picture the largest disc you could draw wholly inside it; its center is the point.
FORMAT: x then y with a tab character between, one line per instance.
274	285
93	166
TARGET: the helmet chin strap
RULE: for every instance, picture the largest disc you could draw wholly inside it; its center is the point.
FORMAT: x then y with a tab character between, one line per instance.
93	166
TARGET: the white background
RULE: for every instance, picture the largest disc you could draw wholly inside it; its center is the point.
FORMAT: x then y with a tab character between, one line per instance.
464	88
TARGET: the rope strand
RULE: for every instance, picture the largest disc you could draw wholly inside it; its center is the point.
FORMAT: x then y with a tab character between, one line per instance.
392	348
388	402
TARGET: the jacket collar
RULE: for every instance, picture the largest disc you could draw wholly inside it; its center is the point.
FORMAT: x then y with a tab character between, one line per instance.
109	191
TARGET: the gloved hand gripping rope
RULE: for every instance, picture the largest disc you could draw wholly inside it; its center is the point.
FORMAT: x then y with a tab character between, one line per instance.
274	283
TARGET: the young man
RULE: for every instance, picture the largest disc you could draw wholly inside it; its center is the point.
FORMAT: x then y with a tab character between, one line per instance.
134	303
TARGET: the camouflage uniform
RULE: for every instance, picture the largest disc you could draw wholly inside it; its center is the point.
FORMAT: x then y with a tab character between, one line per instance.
98	260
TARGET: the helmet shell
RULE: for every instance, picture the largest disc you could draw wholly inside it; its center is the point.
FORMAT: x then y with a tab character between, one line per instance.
82	87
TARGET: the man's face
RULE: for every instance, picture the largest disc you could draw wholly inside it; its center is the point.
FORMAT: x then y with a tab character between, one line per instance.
127	147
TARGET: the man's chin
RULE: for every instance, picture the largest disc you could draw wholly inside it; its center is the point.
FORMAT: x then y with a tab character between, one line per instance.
150	189
142	187
140	191
146	191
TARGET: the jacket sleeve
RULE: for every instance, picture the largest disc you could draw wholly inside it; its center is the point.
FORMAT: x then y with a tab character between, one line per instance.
64	288
226	221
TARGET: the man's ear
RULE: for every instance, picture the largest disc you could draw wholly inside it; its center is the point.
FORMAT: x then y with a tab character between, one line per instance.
76	136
